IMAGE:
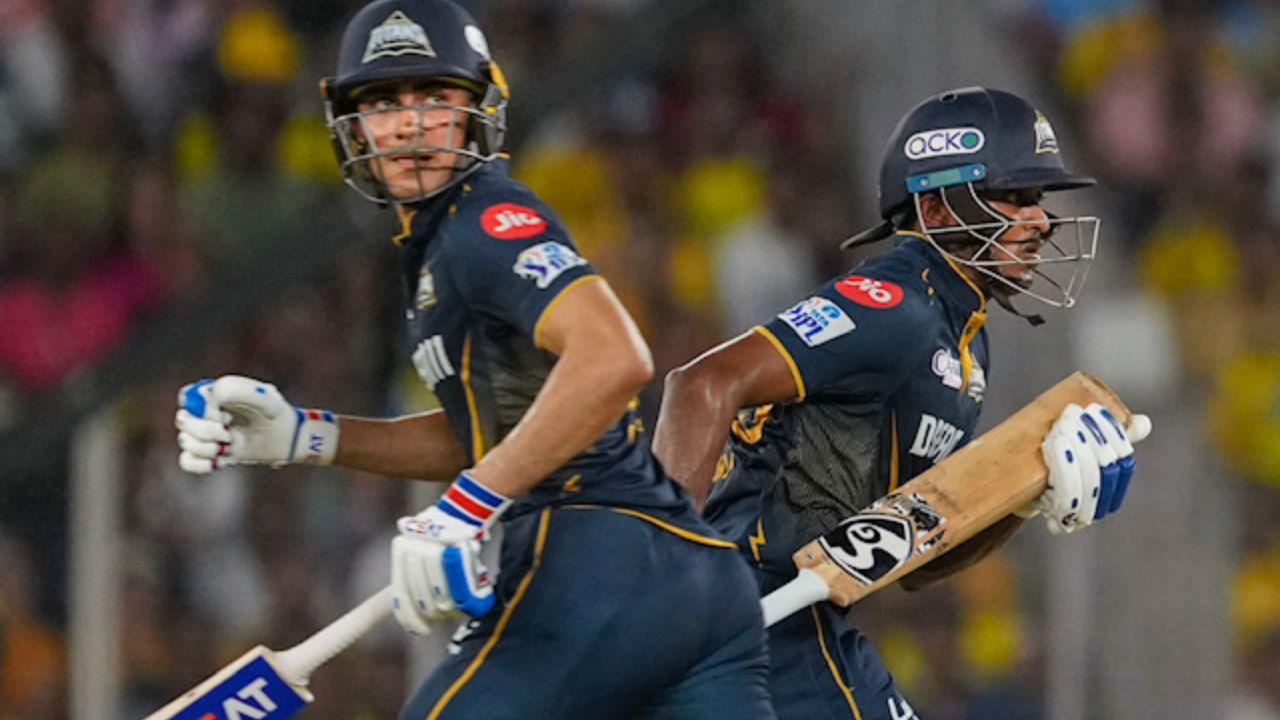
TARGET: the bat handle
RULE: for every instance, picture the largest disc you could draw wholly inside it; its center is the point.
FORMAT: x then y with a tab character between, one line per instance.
807	589
298	662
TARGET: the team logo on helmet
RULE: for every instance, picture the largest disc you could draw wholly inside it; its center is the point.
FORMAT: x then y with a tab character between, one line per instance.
397	35
475	38
1046	141
944	141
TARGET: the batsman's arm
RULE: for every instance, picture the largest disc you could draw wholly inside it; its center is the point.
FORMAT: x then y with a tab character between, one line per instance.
602	363
414	446
701	398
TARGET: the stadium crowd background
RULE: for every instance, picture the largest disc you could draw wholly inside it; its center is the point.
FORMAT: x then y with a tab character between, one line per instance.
170	209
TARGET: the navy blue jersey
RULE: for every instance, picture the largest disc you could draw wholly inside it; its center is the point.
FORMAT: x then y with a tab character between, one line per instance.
484	264
890	362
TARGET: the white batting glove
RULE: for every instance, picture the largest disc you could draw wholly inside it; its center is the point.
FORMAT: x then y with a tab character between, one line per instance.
1090	461
436	572
239	420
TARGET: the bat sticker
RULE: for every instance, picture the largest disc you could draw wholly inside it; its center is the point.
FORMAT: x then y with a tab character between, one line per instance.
874	543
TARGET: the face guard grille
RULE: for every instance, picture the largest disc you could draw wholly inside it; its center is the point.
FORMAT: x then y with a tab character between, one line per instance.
360	157
1057	271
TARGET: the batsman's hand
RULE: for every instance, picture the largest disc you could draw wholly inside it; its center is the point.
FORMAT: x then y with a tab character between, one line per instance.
1090	460
239	420
436	572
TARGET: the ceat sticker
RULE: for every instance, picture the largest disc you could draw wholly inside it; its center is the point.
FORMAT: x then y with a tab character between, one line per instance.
872	293
509	221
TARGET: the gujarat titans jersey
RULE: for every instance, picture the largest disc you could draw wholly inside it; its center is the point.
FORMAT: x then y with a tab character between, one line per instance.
484	264
890	362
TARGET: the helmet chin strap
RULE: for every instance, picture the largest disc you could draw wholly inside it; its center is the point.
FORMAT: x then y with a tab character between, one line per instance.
1001	295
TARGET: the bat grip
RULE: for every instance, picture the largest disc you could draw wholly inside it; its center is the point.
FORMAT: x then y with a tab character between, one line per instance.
298	662
807	589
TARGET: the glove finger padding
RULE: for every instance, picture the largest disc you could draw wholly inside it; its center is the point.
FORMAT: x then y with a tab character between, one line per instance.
1060	503
197	465
407	612
1075	425
469	580
1122	467
249	399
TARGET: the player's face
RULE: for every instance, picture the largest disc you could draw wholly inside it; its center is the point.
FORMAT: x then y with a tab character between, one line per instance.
415	124
1021	242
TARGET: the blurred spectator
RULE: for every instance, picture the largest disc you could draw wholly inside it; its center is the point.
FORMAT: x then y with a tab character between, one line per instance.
32	659
76	283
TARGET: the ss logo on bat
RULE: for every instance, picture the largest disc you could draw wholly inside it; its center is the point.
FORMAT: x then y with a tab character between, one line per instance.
869	546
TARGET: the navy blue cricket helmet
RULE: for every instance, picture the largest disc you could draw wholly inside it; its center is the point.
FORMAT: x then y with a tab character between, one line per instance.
969	145
413	40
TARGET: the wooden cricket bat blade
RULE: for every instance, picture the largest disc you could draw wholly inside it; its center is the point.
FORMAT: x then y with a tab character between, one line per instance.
982	483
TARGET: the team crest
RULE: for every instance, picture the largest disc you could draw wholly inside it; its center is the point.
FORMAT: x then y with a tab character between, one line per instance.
1046	141
397	35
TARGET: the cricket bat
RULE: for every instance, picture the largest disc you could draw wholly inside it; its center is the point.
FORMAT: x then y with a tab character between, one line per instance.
267	685
982	483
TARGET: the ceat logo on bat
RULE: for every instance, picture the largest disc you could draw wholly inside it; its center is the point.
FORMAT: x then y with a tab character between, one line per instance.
254	692
872	293
509	221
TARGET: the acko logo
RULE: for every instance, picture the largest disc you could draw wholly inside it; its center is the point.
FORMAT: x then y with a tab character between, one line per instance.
509	221
944	141
872	293
869	546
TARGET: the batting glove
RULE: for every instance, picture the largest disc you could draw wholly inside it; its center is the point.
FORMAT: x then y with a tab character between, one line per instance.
1090	461
237	420
436	571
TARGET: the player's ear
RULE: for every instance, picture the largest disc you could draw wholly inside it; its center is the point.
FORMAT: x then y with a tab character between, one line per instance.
933	212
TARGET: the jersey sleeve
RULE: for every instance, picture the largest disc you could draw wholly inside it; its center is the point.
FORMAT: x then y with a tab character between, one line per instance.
855	327
512	257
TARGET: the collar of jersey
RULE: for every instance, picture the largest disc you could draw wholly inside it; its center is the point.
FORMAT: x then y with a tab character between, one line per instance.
958	289
425	216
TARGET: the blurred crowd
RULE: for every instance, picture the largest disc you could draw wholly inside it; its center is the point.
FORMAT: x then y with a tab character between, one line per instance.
150	148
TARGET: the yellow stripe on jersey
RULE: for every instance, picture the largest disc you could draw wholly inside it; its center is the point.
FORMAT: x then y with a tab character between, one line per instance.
467	674
473	410
546	311
406	220
835	671
673	529
782	350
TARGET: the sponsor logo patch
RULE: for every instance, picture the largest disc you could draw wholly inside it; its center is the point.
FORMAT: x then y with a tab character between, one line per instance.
475	38
869	292
947	367
935	438
817	320
397	35
944	141
509	221
1046	141
545	262
877	541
